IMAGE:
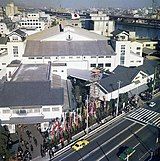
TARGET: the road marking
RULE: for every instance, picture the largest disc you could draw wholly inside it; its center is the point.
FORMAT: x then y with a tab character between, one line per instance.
138	122
96	137
121	143
86	156
143	155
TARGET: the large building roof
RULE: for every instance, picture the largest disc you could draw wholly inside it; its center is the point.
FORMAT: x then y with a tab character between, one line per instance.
32	72
30	94
66	48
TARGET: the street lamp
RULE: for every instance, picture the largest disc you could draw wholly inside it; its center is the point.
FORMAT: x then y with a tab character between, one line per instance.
87	123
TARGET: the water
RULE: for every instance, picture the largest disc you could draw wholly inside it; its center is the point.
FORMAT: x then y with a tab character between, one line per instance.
141	31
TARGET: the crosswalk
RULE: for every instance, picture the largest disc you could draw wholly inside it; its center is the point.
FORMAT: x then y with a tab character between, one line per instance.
145	116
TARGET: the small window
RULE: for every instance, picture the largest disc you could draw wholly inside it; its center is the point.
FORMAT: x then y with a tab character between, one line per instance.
100	65
55	108
6	111
93	56
47	57
62	57
31	58
46	109
78	57
3	63
138	53
138	48
93	65
131	61
108	65
148	45
138	61
39	57
101	57
54	70
70	57
108	56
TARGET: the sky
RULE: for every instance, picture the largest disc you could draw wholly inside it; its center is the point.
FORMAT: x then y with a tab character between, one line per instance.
84	3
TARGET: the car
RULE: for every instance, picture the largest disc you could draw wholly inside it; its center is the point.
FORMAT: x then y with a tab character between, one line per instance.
126	153
152	104
80	144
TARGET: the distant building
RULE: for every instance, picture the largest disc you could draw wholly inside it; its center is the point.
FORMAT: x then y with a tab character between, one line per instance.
11	9
102	24
129	51
2	13
29	98
12	47
38	21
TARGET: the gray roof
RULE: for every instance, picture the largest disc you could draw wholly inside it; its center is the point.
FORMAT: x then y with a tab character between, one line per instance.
3	40
121	73
30	93
19	32
56	30
148	51
126	75
66	48
32	72
118	31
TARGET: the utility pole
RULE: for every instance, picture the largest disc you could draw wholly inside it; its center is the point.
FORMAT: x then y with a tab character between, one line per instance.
87	123
119	85
154	80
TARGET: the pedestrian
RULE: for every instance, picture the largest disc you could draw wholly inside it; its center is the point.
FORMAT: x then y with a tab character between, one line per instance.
31	146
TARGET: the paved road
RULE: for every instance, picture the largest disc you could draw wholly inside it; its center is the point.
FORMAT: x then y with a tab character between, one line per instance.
125	132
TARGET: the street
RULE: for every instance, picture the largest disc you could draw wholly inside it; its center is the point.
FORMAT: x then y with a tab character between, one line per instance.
124	132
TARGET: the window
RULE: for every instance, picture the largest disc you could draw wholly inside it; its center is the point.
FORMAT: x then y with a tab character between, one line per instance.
31	58
122	46
93	65
46	109
3	63
108	65
108	56
138	61
100	65
15	38
39	57
78	57
54	70
138	53
36	110
131	61
147	45
62	57
47	57
101	57
55	108
93	56
15	51
6	111
70	57
138	48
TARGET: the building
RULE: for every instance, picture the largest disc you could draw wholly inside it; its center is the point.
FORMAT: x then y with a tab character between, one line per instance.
11	9
148	43
28	97
69	47
132	81
38	21
129	51
102	24
6	26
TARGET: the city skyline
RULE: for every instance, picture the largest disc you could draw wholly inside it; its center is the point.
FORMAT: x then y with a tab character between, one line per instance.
83	3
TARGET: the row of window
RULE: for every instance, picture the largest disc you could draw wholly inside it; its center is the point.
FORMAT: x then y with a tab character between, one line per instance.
70	57
100	65
7	111
138	61
32	20
31	24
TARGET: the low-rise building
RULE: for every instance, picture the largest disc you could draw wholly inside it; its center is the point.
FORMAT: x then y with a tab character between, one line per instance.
29	98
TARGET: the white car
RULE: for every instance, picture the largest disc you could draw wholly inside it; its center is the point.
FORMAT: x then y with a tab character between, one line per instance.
152	104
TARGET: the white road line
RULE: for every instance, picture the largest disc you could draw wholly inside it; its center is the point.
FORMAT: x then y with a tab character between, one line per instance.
143	155
138	122
86	156
121	143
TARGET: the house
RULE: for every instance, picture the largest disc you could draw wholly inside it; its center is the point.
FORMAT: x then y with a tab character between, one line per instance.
29	98
131	80
129	51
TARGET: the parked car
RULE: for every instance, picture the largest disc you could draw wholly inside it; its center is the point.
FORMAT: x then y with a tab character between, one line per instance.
80	144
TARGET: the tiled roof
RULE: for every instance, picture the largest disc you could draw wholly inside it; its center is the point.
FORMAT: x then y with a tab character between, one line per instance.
66	48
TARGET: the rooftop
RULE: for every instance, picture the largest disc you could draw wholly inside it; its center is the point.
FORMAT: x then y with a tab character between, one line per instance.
32	72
